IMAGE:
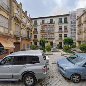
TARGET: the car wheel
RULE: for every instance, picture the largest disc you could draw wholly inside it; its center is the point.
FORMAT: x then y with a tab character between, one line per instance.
76	78
29	80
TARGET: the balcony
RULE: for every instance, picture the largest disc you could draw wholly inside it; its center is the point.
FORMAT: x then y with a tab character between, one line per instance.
16	15
35	39
65	31
50	23
43	31
60	38
17	33
60	31
3	30
35	32
6	7
24	35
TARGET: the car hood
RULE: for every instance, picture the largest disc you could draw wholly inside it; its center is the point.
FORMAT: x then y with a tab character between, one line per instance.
65	63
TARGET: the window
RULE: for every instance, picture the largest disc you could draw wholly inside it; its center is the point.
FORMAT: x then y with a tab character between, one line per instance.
65	35
3	21
51	21
43	21
35	29
35	36
65	20
35	43
60	35
60	28
7	61
35	22
65	28
60	20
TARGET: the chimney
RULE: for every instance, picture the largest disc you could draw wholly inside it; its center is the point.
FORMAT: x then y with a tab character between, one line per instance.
25	12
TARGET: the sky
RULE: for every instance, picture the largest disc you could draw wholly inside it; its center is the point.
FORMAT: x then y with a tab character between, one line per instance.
40	8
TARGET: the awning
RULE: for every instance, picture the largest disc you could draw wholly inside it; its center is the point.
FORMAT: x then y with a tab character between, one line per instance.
7	44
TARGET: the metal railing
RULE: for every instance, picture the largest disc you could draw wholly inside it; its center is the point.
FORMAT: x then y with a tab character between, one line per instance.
2	4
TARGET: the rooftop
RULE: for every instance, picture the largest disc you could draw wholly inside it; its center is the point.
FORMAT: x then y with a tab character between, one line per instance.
51	16
28	52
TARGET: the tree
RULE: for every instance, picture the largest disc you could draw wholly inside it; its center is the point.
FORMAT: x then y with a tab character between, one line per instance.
42	43
68	41
48	48
33	47
83	48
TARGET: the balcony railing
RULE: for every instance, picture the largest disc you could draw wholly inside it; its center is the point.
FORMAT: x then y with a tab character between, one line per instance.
60	38
24	35
60	31
35	39
2	4
17	33
35	32
65	31
43	31
17	16
3	30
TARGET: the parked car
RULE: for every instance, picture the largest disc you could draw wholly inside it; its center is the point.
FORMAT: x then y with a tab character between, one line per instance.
73	67
28	66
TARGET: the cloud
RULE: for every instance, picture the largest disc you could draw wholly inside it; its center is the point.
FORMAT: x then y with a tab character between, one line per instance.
81	4
51	7
62	7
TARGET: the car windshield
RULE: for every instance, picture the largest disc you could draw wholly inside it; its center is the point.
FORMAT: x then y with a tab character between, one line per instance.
75	59
71	58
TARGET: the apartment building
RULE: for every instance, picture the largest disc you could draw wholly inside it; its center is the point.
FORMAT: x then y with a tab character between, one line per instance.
53	28
81	29
15	26
73	25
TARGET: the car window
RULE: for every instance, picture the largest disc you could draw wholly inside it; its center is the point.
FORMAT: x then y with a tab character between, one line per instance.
33	59
7	61
20	60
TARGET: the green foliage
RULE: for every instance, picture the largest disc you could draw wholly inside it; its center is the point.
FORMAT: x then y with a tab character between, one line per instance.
68	41
33	47
42	44
67	49
73	46
48	48
83	48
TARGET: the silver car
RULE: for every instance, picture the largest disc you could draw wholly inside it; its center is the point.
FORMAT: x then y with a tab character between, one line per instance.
28	66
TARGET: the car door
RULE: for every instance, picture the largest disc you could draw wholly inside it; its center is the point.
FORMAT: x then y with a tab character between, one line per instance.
5	68
18	65
83	71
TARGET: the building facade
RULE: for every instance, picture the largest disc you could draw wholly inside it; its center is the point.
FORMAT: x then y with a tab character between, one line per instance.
81	29
15	27
53	28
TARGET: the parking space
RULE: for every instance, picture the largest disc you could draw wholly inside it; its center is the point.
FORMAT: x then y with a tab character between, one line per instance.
54	78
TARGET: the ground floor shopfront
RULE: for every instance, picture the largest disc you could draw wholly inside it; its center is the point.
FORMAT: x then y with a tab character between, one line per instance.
10	44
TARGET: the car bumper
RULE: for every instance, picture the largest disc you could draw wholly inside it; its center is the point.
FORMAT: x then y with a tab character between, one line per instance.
64	73
41	76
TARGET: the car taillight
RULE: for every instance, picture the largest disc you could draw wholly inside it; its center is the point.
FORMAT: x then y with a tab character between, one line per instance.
45	69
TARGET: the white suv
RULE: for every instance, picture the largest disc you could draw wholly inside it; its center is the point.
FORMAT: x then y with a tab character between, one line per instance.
28	66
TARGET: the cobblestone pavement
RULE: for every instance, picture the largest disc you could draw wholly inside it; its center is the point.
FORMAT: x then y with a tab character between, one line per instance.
54	78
